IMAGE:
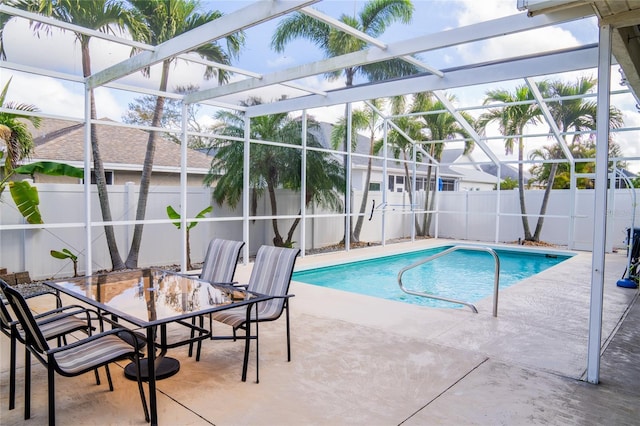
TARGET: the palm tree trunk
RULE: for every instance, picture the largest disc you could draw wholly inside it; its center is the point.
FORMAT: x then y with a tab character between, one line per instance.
294	225
277	238
145	179
426	218
432	203
523	208
98	170
363	204
545	201
409	188
189	267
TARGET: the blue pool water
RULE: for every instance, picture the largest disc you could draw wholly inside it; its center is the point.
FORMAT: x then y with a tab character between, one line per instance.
462	275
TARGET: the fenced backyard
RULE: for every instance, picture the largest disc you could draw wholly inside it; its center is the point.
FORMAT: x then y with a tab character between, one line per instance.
471	216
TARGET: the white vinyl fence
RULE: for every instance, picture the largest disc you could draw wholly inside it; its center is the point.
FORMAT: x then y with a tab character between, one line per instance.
462	215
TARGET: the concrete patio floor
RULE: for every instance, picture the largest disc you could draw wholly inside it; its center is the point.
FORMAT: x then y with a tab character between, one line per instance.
359	360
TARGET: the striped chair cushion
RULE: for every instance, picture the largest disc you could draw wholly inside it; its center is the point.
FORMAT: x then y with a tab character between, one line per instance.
221	260
59	327
271	274
94	353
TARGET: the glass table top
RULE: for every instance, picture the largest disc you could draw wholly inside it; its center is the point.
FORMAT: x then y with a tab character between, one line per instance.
150	295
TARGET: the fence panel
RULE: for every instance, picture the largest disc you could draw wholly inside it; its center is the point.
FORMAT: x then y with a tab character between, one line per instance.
463	215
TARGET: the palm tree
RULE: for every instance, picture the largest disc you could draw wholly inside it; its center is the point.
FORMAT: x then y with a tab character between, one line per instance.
561	172
373	19
512	120
574	114
272	167
107	16
366	119
441	126
18	146
165	20
14	131
140	112
401	146
421	128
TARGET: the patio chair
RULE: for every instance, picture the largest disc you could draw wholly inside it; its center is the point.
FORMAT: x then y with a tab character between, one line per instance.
55	324
271	275
71	359
220	264
221	260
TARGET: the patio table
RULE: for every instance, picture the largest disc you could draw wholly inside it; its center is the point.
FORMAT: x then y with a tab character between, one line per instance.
152	298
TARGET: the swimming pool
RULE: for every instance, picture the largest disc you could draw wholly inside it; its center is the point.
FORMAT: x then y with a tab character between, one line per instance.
463	275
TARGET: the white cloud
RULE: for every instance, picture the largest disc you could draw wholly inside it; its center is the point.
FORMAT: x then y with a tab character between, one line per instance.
49	95
474	11
535	41
550	38
280	62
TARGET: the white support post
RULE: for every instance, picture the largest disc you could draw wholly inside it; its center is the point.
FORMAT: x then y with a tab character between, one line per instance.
183	188
245	190
385	178
347	198
600	205
87	181
436	196
498	197
414	171
573	187
303	186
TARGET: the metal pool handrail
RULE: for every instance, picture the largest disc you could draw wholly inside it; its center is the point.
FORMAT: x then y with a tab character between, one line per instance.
496	279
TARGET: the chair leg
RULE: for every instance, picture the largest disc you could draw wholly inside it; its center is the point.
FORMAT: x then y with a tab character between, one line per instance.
97	377
141	389
192	335
106	367
257	349
27	384
12	374
52	397
199	348
288	334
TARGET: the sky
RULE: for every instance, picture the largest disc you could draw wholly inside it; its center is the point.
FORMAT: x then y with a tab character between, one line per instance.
59	51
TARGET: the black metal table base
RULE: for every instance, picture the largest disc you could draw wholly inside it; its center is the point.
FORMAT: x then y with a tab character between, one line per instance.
166	367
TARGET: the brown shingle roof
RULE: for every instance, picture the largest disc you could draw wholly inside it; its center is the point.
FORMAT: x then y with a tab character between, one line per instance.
60	140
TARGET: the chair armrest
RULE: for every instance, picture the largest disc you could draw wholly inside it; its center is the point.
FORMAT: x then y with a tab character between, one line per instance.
286	296
134	340
68	311
65	309
234	283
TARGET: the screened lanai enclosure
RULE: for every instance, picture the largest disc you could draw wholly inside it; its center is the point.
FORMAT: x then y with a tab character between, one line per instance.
330	134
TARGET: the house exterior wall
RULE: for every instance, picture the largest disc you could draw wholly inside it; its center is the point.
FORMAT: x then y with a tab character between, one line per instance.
462	183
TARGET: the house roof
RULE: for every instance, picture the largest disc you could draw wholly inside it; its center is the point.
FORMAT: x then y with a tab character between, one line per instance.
121	148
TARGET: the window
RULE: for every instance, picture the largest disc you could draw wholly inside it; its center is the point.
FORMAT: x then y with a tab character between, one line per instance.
447	184
108	175
396	183
374	186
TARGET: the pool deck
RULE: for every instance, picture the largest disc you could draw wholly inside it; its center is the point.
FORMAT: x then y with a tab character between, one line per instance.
359	360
